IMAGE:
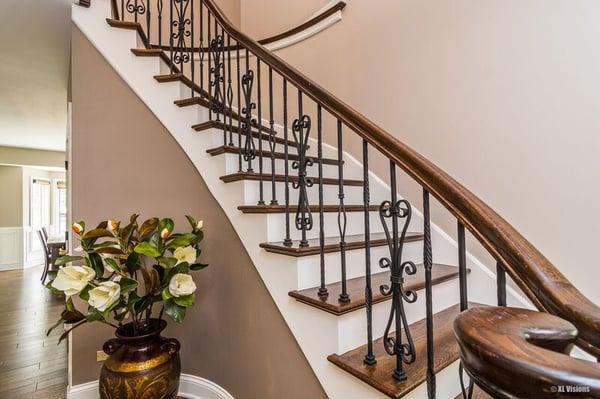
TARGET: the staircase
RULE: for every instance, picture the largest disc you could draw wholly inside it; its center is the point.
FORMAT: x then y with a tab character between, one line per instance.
368	285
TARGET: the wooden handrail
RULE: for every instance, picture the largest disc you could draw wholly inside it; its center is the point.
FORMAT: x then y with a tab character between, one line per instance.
518	353
310	23
535	275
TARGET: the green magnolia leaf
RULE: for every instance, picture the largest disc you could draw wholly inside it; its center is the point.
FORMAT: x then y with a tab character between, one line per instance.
182	240
113	265
102	225
144	303
166	295
174	311
145	248
85	292
183	268
63	260
97	233
192	222
148	227
109	250
58	323
132	263
96	263
167	262
127	284
166	224
185	301
94	315
198	266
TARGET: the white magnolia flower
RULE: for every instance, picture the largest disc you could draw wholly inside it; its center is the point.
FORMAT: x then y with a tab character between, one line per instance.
104	295
165	233
113	225
200	224
185	254
72	279
77	228
181	285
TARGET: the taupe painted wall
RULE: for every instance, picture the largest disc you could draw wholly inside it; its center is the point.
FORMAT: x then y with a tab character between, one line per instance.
31	157
125	161
11	196
502	94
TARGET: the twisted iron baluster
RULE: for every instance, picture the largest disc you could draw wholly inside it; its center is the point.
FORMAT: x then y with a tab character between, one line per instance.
301	131
342	218
159	7
369	357
272	143
201	48
428	264
323	292
249	149
229	91
287	241
397	210
464	303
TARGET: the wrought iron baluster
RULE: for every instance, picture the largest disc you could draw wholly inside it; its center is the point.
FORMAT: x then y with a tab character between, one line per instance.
287	240
209	56
501	284
148	22
247	83
229	91
239	106
216	71
192	61
462	267
180	30
301	130
369	357
397	210
323	293
342	217
159	8
428	264
261	199
123	10
272	143
135	8
201	50
171	63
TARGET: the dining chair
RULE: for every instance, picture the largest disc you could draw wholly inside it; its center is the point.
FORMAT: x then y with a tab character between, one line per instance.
46	255
45	233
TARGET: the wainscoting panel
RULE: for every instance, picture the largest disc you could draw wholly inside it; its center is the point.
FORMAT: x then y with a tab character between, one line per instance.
11	248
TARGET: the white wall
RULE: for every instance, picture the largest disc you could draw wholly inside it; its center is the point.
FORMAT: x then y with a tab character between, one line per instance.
502	94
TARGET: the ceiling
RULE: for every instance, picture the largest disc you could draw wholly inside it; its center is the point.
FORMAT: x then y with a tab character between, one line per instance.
34	43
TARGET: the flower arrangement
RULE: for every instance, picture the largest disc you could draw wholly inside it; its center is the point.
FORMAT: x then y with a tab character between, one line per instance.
124	272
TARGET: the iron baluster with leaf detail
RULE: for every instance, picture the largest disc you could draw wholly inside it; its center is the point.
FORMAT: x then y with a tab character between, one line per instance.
180	31
216	48
135	7
249	148
397	210
304	219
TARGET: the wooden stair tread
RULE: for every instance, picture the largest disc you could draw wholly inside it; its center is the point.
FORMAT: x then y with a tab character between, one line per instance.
379	375
332	244
169	77
146	52
313	208
356	289
235	129
280	178
227	149
115	23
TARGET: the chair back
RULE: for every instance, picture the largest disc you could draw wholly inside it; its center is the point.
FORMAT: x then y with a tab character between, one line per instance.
45	233
44	244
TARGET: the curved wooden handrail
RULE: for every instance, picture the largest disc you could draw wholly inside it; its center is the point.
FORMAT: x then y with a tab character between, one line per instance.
339	6
518	353
535	275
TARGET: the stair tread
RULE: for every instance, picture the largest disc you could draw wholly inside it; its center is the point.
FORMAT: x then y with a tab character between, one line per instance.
280	178
356	289
379	375
235	129
169	77
332	244
313	208
227	149
146	52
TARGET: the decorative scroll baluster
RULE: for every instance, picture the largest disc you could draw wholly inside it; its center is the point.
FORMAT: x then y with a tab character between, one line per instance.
192	62
396	210
179	32
287	240
464	302
501	284
323	293
261	199
135	8
201	50
171	64
301	131
428	264
369	357
272	143
229	92
159	8
249	149
209	66
342	217
216	70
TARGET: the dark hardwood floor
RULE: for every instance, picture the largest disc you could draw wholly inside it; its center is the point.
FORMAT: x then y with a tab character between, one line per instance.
31	364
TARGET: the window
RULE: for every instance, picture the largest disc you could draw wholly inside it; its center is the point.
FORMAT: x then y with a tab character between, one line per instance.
39	207
61	199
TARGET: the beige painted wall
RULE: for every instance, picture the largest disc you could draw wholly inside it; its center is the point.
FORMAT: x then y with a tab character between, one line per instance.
11	196
31	157
235	335
501	94
265	18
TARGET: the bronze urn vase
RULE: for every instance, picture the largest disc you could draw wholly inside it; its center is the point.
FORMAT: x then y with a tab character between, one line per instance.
141	366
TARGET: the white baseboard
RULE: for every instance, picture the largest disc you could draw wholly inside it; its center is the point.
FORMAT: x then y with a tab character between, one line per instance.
190	387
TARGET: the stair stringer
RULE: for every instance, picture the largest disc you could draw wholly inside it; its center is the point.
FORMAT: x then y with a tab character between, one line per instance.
317	333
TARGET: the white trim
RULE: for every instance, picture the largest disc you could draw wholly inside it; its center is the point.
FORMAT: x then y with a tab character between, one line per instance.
190	387
11	248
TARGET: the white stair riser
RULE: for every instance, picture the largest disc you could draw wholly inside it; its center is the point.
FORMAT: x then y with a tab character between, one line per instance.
309	267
